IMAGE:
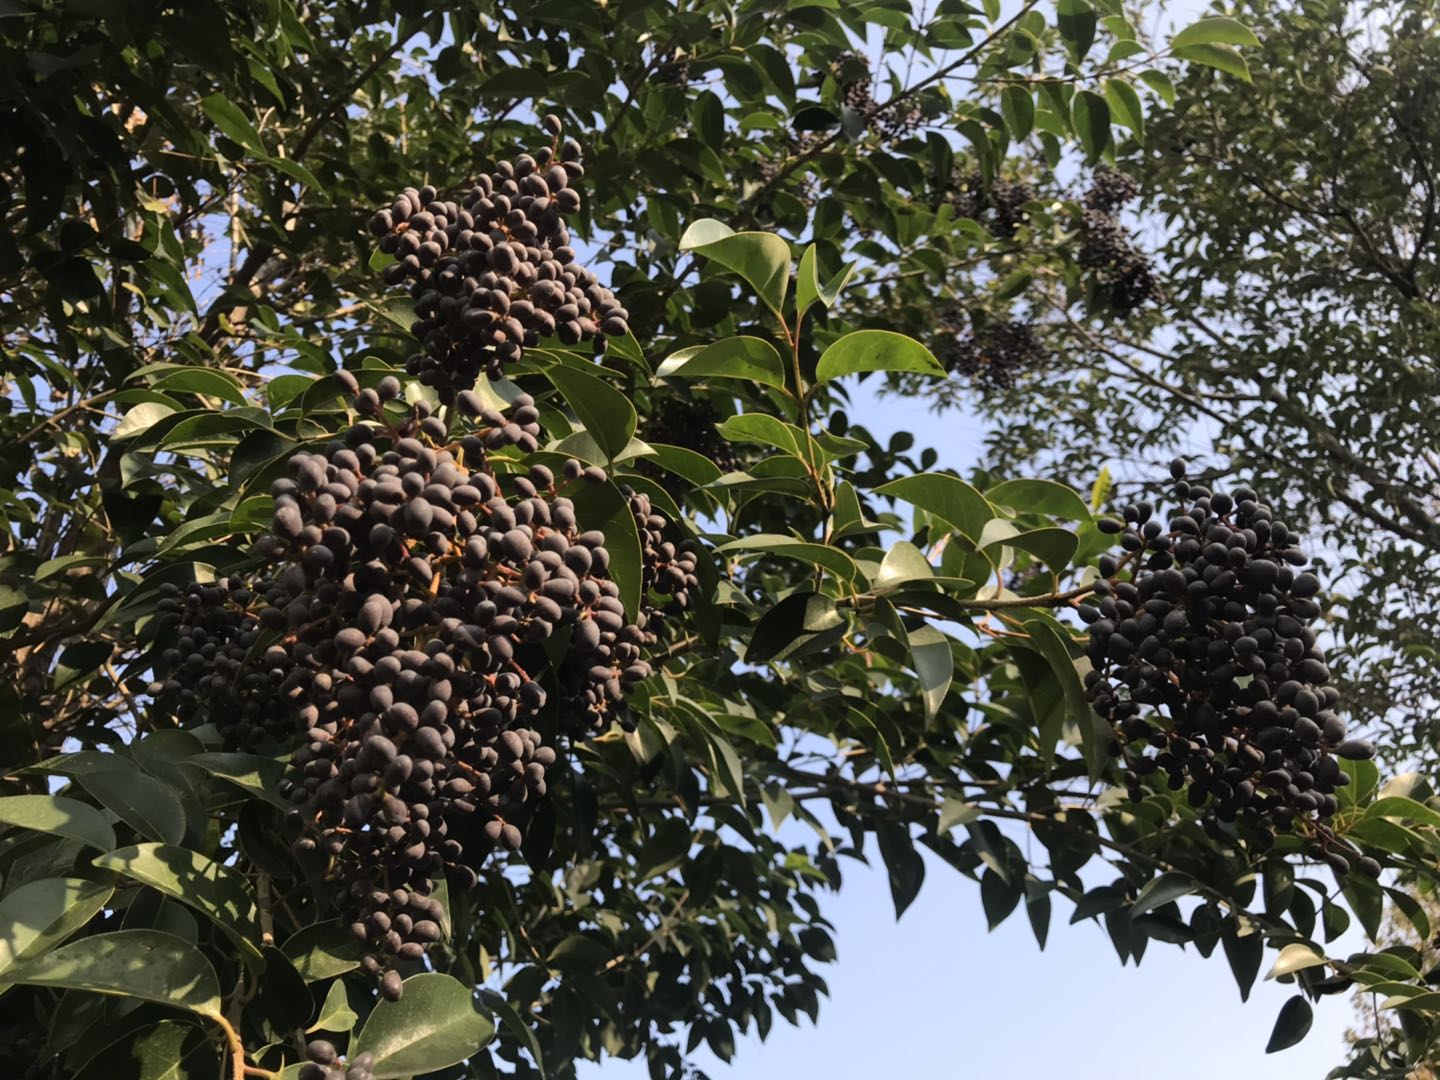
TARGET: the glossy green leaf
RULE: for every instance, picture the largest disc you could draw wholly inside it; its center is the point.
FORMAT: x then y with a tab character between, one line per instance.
322	951
946	497
822	555
436	1024
1292	1025
1294	957
216	891
60	815
761	259
1091	116
1221	57
934	664
1215	30
798	620
145	964
875	350
336	1015
39	915
146	804
1017	106
749	358
607	414
1040	497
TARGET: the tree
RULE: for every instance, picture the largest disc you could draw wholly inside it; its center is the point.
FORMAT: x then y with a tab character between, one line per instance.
1296	244
376	695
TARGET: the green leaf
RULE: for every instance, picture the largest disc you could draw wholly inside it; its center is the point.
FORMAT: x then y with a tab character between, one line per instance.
761	259
1294	957
830	558
998	897
685	463
767	430
800	619
903	563
335	1014
59	815
1017	106
322	951
1162	890
934	663
1292	1025
809	290
603	507
256	774
1244	952
1054	645
147	805
1215	30
232	122
580	954
1091	116
955	812
1399	808
905	866
1054	547
750	358
1040	497
1221	57
1125	106
145	964
436	1024
946	497
1160	83
666	848
40	914
210	382
1076	21
875	350
607	414
214	890
141	418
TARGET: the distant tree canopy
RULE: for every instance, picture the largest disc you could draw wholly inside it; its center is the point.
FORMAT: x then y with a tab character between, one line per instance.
456	623
1294	221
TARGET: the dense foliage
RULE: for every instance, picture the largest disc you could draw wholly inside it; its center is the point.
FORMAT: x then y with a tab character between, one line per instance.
432	683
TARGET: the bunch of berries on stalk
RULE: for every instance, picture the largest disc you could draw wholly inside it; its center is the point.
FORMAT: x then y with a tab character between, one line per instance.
998	205
324	1063
397	631
993	356
495	273
1207	667
1122	271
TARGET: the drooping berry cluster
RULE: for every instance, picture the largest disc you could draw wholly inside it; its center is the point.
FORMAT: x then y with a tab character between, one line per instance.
891	121
1122	271
496	273
325	1063
401	637
673	71
999	206
680	419
1207	667
992	355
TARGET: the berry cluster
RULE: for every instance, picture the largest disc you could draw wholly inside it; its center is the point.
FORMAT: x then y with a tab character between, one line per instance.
1207	667
679	419
325	1064
892	121
495	273
1123	272
674	71
414	592
993	356
999	206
